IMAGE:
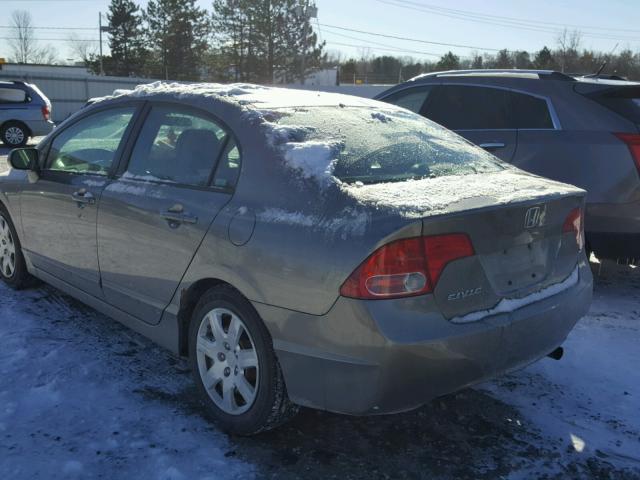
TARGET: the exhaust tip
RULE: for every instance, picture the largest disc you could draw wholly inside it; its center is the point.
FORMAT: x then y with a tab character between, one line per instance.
557	353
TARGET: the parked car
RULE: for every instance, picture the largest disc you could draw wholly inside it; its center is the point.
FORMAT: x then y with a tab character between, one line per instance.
24	112
581	131
300	248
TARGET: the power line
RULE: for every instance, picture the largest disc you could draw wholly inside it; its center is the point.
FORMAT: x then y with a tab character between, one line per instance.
516	19
496	21
95	40
377	44
407	39
387	49
51	28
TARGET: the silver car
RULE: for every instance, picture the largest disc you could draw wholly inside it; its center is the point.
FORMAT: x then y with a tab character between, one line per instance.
300	248
584	131
24	112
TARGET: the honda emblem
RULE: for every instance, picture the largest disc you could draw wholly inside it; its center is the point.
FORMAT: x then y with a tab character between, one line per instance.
533	217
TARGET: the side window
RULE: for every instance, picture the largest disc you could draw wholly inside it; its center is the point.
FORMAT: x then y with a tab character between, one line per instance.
90	145
412	99
177	145
228	169
530	112
459	107
12	95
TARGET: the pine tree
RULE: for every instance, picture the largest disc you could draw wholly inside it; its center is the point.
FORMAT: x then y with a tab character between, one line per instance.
178	31
265	40
126	39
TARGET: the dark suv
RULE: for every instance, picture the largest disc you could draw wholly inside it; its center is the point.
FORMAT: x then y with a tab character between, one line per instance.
583	131
24	112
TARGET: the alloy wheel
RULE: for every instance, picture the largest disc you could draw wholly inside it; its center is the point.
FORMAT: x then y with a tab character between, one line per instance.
14	135
227	361
7	250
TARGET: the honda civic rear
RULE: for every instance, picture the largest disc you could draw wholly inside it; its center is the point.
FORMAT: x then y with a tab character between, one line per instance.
454	267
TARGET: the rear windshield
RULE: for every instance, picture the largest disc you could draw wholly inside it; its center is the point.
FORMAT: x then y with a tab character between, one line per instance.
624	101
376	145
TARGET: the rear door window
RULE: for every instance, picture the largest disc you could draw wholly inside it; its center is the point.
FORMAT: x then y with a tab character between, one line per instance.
463	107
179	146
12	95
530	112
412	99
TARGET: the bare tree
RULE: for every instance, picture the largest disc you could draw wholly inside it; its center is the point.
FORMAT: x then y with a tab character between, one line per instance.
82	48
568	45
24	45
22	42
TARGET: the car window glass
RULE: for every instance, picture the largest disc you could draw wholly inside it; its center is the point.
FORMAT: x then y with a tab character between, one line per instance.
90	145
12	95
460	107
378	145
229	167
177	146
411	99
530	112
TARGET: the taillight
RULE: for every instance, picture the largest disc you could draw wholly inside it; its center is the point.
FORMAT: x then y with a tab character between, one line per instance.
46	113
574	223
633	143
407	267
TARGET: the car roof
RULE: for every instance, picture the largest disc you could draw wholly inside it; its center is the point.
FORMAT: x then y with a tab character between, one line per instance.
246	96
499	73
13	83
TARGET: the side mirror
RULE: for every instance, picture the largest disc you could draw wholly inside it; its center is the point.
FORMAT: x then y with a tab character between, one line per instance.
24	159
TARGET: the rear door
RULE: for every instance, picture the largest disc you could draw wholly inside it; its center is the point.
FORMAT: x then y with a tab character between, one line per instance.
154	215
59	210
481	114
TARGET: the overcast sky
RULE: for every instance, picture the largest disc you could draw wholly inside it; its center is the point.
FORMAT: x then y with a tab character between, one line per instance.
473	25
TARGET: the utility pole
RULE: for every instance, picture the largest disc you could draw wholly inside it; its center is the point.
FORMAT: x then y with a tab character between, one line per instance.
101	29
307	12
100	40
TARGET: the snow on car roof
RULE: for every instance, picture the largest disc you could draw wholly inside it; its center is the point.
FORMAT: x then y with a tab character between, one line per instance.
247	95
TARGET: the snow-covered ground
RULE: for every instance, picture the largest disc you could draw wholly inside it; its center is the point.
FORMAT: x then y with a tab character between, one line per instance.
83	397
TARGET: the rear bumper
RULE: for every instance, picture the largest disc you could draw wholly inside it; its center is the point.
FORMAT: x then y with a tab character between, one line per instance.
388	356
613	230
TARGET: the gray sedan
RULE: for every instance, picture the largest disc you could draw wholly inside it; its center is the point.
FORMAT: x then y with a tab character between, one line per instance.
300	248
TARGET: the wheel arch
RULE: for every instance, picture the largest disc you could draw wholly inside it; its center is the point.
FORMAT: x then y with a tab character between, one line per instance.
189	298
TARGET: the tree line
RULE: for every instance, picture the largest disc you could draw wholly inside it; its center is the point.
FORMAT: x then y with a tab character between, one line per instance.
565	56
273	41
265	41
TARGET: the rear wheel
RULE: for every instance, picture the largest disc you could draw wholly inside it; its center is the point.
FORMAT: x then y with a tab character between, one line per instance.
13	270
234	365
14	134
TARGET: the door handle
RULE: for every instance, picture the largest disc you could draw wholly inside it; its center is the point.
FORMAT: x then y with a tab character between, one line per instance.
82	197
178	218
492	145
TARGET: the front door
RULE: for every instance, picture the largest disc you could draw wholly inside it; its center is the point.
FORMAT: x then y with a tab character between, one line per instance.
59	210
155	214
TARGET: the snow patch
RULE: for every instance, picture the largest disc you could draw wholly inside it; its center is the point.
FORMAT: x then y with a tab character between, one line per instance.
508	305
312	159
430	196
347	222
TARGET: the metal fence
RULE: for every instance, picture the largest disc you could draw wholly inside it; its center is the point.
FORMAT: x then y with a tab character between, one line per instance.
69	93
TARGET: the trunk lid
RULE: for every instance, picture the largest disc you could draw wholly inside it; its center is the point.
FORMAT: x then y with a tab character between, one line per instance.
514	221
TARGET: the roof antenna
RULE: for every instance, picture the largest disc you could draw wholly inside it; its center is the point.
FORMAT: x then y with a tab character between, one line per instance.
604	64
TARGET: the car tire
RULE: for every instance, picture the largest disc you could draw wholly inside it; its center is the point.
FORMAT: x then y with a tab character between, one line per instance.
14	134
238	376
13	269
